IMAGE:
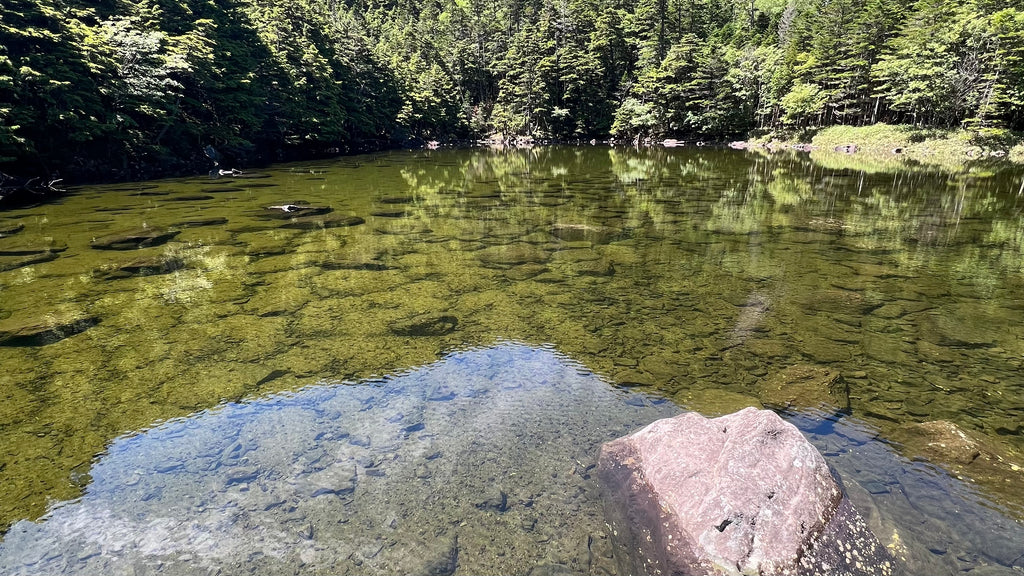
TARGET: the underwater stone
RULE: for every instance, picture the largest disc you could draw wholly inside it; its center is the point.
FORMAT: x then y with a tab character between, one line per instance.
389	213
594	268
714	401
20	262
402	228
42	334
133	240
551	570
199	222
9	229
242	475
188	198
297	209
361	440
962	326
630	378
525	271
512	254
247	176
32	250
442	393
576	255
354	264
441	558
824	351
581	232
745	493
838	301
338	479
945	441
142	267
397	200
315	223
804	385
964	452
425	325
993	570
497	500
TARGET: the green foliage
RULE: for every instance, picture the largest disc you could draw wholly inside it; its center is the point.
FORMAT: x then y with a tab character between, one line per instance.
145	85
803	102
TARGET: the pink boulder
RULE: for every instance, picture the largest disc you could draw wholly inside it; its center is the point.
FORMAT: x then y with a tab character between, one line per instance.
745	493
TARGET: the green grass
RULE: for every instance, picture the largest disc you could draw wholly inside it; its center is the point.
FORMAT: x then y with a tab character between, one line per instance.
919	143
885	144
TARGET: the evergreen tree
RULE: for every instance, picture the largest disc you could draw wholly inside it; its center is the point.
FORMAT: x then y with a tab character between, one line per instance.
934	71
124	85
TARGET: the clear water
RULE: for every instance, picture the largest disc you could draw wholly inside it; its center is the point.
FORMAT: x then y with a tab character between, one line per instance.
493	319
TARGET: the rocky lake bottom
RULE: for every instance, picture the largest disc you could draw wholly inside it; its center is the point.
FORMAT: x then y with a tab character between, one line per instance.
481	463
407	362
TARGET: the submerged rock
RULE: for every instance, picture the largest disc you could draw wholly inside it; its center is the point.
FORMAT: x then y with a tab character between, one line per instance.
578	232
551	570
199	222
525	271
512	255
740	494
943	441
10	229
401	228
354	264
22	261
294	210
389	213
964	326
964	452
336	480
134	240
316	222
189	198
397	200
43	333
32	249
246	175
425	325
142	267
805	386
838	301
594	268
496	500
440	558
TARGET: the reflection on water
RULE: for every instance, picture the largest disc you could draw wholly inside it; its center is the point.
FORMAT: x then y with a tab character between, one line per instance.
481	463
714	279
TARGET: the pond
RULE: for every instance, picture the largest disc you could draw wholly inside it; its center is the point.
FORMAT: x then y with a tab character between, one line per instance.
406	362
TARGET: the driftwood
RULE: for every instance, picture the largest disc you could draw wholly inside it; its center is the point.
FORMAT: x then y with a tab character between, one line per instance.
27	190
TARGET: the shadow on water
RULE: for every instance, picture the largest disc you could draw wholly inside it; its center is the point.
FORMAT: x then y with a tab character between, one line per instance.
480	463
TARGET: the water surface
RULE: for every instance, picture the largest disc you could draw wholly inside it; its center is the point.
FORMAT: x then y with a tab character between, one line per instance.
862	303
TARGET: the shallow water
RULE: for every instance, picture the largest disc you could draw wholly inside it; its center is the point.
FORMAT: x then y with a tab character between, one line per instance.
472	462
858	303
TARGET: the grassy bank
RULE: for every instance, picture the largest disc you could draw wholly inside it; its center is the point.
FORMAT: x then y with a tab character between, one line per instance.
887	143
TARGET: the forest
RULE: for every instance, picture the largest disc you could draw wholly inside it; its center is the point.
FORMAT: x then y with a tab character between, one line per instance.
119	88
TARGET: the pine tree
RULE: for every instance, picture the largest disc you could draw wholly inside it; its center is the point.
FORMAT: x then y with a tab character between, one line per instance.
934	71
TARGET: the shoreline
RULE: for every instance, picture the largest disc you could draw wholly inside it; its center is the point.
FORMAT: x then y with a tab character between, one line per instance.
875	146
927	146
